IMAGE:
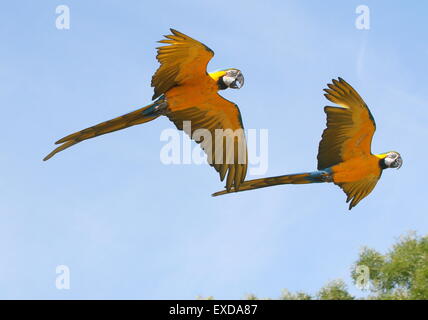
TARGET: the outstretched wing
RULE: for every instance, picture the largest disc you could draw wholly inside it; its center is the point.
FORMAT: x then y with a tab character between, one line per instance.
183	60
350	128
216	125
358	190
348	135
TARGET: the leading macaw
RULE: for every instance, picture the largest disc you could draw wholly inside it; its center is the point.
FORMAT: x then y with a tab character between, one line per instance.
184	91
344	154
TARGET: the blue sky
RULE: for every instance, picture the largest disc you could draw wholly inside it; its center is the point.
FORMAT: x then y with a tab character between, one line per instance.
129	227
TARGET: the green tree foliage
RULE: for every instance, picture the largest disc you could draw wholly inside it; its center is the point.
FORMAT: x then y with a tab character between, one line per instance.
399	274
335	290
287	295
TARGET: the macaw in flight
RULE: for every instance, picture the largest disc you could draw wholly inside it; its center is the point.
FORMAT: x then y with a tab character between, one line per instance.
184	91
344	153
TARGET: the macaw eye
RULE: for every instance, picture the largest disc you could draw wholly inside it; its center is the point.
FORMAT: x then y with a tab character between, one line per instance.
232	73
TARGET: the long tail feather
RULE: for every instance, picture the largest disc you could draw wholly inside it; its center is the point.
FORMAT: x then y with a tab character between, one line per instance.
299	178
139	116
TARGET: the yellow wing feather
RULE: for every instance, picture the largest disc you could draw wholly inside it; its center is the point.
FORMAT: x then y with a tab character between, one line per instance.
357	191
229	159
183	60
349	129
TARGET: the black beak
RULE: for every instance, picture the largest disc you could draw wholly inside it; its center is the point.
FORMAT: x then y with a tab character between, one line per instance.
398	163
239	82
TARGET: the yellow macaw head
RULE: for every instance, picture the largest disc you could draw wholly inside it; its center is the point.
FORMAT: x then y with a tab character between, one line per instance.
229	78
391	159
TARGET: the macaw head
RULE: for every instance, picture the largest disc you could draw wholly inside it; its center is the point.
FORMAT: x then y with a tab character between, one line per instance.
391	159
229	78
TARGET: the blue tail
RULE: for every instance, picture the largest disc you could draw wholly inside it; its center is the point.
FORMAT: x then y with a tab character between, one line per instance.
133	118
299	178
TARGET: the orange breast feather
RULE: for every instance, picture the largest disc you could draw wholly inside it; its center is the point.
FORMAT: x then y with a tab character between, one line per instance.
187	96
356	169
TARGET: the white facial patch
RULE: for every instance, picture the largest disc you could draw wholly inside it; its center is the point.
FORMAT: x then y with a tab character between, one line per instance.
389	161
228	80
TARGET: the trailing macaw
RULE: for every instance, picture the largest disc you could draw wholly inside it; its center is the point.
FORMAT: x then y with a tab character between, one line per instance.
344	154
184	91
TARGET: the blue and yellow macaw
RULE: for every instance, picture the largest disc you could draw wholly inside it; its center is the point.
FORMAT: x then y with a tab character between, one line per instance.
344	154
184	91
